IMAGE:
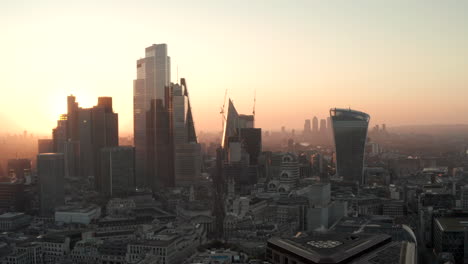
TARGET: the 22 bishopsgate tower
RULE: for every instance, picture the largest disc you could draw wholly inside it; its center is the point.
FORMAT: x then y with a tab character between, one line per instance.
166	149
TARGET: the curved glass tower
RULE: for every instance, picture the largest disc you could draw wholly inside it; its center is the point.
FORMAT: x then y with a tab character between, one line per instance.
349	132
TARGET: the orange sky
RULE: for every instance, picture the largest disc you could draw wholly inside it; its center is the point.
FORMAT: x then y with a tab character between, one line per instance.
402	62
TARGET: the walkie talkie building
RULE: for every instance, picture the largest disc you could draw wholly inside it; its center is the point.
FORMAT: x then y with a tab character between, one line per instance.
349	132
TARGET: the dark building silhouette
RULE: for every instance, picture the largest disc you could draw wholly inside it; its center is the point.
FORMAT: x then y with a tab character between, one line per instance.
118	170
59	134
160	147
45	145
153	78
51	174
315	125
12	196
104	133
82	133
350	132
251	140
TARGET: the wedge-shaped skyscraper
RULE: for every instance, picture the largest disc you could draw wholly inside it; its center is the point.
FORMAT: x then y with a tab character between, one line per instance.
350	132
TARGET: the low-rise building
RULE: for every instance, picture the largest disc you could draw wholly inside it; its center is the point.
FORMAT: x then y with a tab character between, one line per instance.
13	221
77	214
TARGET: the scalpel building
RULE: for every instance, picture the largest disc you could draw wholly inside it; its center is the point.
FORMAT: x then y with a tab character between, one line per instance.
350	132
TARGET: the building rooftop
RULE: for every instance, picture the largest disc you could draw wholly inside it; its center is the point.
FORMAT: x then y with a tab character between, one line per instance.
10	215
452	224
329	247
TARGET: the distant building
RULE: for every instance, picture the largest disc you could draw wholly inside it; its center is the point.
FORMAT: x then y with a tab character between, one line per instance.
315	125
117	170
51	174
323	126
307	127
350	133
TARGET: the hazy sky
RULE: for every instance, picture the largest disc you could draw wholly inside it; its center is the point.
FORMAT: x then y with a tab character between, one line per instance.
401	61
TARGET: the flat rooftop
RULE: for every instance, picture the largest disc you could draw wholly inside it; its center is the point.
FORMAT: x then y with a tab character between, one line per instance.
11	215
329	247
452	224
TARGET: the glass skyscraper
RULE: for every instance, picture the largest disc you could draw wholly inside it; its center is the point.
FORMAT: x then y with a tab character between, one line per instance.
350	132
153	77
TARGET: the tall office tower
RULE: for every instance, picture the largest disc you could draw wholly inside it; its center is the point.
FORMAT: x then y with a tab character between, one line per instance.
315	125
350	132
323	126
232	142
251	142
45	146
187	151
329	125
62	142
118	170
72	118
59	134
19	169
153	76
104	133
86	142
307	128
51	173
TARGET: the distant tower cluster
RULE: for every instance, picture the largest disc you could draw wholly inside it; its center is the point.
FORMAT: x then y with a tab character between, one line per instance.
350	133
317	131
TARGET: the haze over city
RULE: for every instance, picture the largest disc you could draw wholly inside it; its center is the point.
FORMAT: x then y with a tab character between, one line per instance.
404	62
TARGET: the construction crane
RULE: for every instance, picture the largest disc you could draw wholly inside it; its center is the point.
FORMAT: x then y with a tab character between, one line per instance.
222	111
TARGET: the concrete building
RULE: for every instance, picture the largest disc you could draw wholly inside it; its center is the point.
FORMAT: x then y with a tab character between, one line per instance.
13	221
77	215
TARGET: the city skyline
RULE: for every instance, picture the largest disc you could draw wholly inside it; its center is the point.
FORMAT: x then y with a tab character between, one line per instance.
324	58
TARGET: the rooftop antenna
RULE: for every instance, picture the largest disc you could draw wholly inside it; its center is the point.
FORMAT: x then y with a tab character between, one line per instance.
222	111
255	101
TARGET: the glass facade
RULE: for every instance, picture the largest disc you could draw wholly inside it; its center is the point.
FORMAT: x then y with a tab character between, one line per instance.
350	132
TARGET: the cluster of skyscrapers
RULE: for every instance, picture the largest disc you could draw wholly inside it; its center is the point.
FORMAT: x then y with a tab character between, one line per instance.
85	143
